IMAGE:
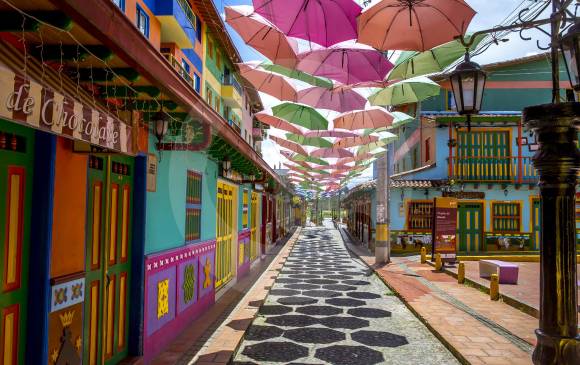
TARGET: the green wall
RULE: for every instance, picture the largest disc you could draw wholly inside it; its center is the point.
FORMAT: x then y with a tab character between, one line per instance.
165	227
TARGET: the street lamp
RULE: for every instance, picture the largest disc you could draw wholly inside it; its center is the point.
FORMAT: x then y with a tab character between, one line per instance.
161	124
570	45
468	83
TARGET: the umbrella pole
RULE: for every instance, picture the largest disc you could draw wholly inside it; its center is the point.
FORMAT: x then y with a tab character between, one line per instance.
382	243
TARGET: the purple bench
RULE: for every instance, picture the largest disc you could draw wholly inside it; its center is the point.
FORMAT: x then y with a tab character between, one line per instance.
507	271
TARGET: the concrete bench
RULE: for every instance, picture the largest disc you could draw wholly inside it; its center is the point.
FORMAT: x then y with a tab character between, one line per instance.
507	271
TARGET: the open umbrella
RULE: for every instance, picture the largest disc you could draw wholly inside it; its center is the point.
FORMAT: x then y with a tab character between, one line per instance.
355	141
399	119
258	33
298	75
347	64
413	25
325	22
411	63
361	119
310	159
338	99
406	91
331	134
374	146
308	141
267	82
277	122
289	145
302	115
331	152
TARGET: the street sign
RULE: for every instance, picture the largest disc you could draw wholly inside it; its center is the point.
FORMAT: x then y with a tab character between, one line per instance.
444	236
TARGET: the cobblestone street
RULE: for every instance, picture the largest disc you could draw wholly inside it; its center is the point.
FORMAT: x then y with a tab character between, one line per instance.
326	307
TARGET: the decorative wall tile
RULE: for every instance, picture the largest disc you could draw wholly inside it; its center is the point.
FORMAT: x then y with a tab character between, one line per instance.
66	294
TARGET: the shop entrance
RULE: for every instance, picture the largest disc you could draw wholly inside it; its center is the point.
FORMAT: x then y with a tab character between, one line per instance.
255	232
16	169
470	226
225	227
536	223
108	259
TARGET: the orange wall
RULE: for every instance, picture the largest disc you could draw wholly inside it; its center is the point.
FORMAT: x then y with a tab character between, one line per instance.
68	227
154	24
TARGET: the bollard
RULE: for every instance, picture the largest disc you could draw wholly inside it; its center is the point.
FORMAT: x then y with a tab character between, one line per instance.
423	255
461	273
494	287
438	262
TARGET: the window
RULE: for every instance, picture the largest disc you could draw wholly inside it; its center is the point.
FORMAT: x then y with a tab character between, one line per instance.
245	210
209	96
198	28
415	159
450	101
218	103
420	215
120	4
196	82
185	66
193	207
506	217
428	149
142	21
210	49
218	60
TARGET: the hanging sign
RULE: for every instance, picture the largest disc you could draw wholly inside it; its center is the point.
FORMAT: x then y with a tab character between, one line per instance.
444	236
28	102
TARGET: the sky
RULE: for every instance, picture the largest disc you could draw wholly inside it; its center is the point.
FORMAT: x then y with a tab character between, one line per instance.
489	14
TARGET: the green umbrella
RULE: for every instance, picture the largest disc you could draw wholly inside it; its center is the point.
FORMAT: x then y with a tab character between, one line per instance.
298	75
302	168
316	160
373	146
308	141
406	92
411	63
302	115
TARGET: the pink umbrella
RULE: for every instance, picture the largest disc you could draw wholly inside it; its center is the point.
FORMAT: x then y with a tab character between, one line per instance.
325	22
267	82
413	25
339	99
361	119
262	35
277	123
289	145
361	157
355	141
349	65
331	134
331	153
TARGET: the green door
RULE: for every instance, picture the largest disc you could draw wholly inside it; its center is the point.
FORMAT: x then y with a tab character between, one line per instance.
16	168
536	223
470	227
108	259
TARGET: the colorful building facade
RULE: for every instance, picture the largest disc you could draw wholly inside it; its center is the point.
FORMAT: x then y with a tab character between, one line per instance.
113	240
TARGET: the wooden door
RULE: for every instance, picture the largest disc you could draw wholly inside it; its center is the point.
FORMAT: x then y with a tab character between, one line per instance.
108	259
536	223
224	234
254	232
16	169
470	227
265	213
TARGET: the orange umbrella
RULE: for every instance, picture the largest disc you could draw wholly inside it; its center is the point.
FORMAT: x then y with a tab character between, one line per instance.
413	25
363	119
355	141
267	82
277	123
295	147
258	33
331	153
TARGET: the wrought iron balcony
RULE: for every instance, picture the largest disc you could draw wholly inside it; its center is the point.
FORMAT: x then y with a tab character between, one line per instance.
179	69
493	169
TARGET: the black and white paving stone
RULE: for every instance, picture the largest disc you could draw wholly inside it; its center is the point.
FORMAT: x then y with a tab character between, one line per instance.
326	308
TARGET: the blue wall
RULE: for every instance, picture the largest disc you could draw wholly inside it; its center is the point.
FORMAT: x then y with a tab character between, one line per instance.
172	7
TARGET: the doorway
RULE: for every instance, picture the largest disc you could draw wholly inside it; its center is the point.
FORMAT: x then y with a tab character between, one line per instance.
470	226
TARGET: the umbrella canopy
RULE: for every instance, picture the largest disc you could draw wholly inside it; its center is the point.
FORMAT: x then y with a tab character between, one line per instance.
289	145
298	75
267	82
310	159
263	36
399	119
374	146
355	141
309	141
277	122
332	152
346	64
302	115
411	64
407	91
325	22
331	134
361	119
413	25
338	99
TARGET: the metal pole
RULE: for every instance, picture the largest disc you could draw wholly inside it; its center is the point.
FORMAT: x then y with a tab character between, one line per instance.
382	246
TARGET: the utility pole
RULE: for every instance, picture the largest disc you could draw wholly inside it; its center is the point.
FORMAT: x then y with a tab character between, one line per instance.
382	246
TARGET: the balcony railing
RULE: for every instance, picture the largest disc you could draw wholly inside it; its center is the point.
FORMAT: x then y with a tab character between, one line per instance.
490	169
230	80
188	13
179	68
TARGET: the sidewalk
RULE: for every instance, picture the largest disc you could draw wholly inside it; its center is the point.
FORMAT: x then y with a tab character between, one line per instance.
476	329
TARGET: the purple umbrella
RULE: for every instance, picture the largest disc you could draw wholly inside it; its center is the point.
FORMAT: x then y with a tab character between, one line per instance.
349	65
325	22
339	99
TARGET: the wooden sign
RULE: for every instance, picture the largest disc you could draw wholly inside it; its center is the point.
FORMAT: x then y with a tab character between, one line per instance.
464	194
445	228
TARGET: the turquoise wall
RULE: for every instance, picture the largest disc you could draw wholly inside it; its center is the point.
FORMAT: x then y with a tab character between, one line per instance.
165	227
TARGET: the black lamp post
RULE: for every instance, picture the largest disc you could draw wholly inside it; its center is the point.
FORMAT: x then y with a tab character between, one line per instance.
557	161
161	124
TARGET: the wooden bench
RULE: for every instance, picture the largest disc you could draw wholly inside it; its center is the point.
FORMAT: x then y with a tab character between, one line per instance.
507	271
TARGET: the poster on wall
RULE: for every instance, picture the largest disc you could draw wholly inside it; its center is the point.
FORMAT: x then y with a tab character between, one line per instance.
152	172
445	228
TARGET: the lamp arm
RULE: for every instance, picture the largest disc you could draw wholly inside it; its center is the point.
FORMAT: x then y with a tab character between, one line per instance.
515	26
